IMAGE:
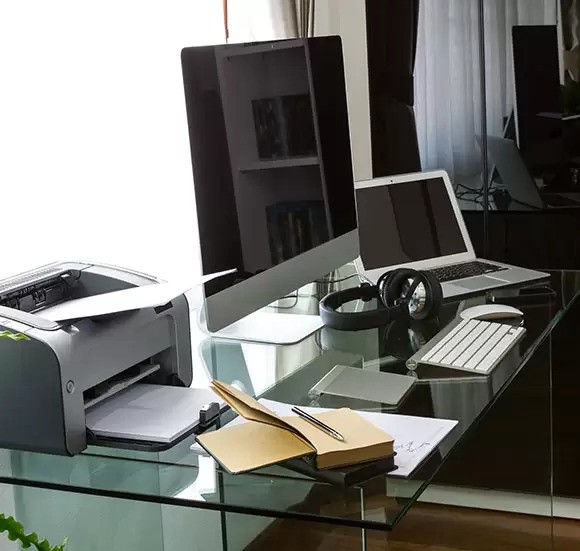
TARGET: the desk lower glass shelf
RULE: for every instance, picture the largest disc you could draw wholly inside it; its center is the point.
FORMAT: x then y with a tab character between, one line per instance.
486	408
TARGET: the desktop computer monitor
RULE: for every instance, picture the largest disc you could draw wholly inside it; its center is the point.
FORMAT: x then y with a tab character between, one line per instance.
272	171
538	105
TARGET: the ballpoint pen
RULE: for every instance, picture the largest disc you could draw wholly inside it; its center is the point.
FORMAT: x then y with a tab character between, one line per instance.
318	424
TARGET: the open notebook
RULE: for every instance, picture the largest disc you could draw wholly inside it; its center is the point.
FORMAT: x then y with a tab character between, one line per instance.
268	439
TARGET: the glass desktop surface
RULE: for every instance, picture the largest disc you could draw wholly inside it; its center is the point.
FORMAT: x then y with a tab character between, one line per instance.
182	477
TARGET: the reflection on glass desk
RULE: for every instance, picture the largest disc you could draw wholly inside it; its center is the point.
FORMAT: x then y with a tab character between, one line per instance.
512	188
474	202
184	478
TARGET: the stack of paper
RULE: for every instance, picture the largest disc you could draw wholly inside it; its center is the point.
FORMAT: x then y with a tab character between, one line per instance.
415	437
152	413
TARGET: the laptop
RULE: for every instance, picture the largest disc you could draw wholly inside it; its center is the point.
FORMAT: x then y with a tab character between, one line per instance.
514	173
414	221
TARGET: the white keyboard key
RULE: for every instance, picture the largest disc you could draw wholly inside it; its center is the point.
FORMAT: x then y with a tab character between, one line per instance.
488	332
466	343
494	341
471	328
503	346
464	327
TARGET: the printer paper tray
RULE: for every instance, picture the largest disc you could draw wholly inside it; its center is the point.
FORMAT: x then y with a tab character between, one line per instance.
136	445
148	417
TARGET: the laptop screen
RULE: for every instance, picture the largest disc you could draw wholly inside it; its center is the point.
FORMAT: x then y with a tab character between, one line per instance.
407	222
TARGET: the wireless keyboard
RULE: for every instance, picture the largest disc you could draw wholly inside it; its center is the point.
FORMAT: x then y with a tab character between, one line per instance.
469	345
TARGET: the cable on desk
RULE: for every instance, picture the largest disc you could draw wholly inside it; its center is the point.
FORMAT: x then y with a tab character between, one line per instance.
294	296
339	280
317	341
475	191
468	189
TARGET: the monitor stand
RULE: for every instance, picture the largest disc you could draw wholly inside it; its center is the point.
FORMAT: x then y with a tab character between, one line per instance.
271	328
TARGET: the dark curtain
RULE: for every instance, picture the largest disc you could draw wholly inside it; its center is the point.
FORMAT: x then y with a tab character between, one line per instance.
391	46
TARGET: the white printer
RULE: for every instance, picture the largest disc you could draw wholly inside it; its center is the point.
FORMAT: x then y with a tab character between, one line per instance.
51	373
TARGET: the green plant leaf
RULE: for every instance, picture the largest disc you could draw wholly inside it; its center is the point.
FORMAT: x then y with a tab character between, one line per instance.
13	336
15	532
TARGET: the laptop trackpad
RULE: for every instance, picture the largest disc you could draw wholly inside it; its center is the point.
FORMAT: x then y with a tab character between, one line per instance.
476	283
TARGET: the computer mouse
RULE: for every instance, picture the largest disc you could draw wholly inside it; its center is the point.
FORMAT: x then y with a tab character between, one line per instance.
491	312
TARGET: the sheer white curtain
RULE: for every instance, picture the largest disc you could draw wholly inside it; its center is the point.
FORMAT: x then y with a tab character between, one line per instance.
447	75
93	134
261	20
447	93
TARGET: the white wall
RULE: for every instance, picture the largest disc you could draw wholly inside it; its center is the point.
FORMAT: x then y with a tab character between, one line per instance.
347	18
93	140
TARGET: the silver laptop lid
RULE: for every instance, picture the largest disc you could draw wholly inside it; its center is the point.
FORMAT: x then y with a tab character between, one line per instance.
514	172
411	220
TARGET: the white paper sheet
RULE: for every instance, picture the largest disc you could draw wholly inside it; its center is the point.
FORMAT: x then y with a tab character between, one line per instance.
415	437
147	296
155	413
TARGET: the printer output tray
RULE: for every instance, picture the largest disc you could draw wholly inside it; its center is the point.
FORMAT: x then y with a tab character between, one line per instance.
134	445
149	417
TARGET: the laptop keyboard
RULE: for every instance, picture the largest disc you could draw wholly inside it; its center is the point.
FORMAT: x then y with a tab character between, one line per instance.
467	269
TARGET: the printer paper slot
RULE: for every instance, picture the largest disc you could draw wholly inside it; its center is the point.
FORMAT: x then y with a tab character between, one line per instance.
117	384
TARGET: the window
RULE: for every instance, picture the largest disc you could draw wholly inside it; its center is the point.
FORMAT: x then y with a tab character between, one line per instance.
94	144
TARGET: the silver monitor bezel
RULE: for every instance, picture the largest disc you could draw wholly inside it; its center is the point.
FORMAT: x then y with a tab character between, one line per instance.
244	298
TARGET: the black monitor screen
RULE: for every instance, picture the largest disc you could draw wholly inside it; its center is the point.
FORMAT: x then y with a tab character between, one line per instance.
270	148
407	222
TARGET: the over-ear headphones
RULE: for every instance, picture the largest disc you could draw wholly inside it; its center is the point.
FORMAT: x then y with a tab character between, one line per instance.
401	294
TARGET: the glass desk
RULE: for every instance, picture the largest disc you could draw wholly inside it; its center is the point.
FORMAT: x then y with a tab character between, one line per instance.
187	479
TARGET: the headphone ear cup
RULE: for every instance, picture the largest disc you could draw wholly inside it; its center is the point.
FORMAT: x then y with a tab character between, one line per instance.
433	296
382	284
392	287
